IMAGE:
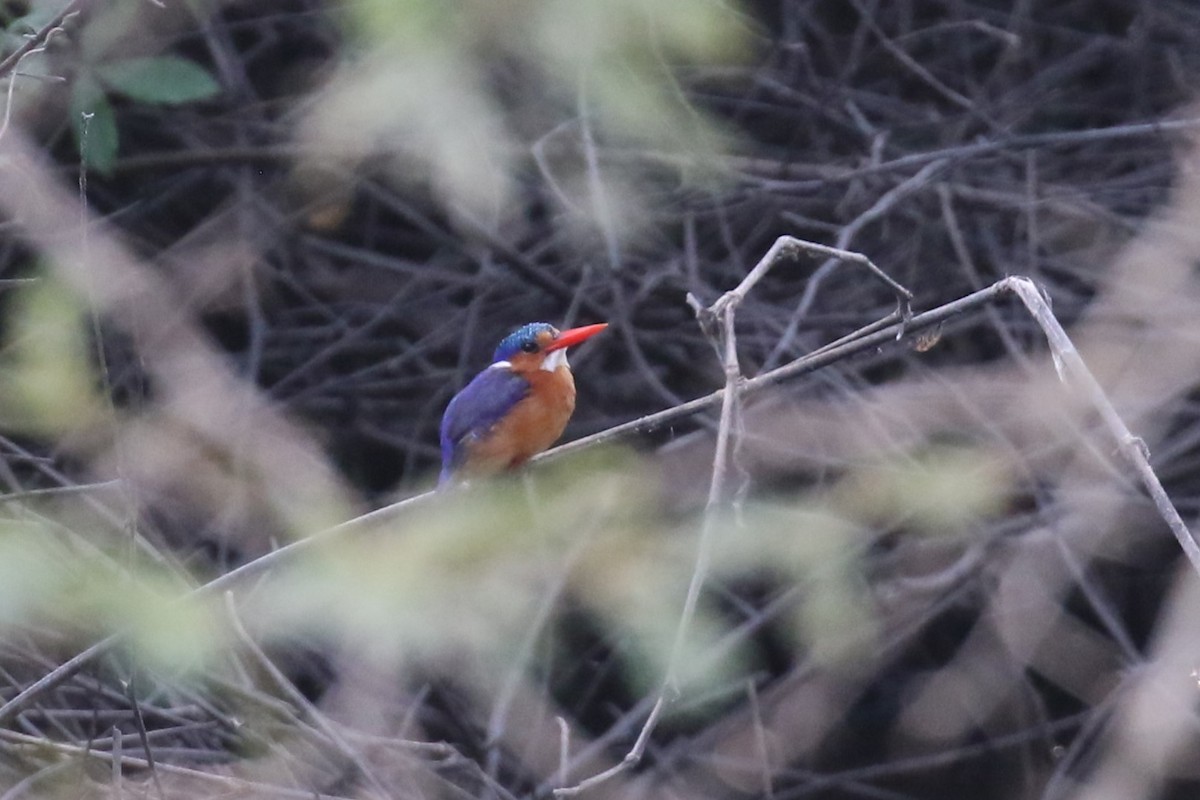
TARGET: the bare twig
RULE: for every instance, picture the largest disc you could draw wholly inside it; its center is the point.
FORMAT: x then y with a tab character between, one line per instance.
670	685
791	247
851	345
564	748
1069	363
303	705
142	734
41	36
19	743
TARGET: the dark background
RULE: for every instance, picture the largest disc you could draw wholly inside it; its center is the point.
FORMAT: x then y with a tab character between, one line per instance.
953	143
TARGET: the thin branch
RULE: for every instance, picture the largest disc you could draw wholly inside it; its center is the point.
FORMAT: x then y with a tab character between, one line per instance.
1068	362
791	247
39	37
142	734
20	742
304	706
36	44
851	345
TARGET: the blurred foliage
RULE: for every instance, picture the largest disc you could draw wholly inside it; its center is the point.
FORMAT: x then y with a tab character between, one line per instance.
462	97
54	581
938	490
459	93
47	384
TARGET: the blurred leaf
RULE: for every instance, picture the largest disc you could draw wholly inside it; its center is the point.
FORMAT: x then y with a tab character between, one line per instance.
54	576
836	618
31	570
461	574
47	384
162	80
415	21
596	30
813	548
169	635
144	603
941	490
641	597
423	90
431	113
94	124
105	29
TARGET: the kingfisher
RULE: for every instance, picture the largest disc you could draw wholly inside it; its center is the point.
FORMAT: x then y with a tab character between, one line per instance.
514	409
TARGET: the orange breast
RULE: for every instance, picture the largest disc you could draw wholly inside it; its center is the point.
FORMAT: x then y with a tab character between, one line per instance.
531	427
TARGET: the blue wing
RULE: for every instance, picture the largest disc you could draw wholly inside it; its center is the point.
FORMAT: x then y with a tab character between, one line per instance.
475	410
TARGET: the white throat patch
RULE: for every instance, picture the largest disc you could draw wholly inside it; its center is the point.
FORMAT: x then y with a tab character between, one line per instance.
555	360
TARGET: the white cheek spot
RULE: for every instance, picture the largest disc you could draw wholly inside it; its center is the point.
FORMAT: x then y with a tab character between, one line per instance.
555	360
501	365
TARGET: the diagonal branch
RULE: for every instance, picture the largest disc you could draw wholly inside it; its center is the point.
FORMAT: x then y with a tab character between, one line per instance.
39	37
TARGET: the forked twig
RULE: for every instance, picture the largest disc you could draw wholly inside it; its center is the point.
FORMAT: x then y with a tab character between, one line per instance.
787	247
717	322
304	708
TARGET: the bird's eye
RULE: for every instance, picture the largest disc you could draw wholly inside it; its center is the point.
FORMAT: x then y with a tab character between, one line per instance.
530	347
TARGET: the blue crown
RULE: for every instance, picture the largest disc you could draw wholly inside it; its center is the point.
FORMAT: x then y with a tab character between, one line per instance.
510	345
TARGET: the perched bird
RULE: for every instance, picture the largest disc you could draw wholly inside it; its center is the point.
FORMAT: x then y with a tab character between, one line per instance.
517	407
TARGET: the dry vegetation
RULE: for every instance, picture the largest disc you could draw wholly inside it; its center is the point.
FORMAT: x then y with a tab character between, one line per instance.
251	249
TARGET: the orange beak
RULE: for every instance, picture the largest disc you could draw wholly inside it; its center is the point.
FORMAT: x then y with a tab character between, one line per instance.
573	336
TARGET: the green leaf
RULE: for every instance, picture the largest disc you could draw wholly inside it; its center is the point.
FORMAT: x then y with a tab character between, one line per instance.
94	124
163	80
